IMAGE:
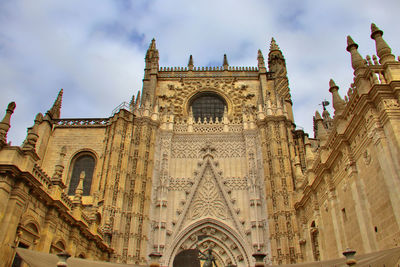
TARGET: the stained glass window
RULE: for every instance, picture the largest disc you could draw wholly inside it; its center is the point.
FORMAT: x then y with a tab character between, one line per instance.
208	106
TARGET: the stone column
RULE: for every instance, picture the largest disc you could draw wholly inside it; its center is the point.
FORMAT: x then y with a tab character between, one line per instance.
8	227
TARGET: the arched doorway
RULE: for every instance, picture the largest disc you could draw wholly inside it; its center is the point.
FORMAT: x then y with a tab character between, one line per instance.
187	258
228	246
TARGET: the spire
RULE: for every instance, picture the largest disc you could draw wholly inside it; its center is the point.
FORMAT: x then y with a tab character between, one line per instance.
152	56
190	64
357	62
55	110
5	123
276	60
151	49
337	102
153	44
383	50
260	59
225	63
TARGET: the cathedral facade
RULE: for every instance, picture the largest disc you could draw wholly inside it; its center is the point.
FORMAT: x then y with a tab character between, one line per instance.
210	157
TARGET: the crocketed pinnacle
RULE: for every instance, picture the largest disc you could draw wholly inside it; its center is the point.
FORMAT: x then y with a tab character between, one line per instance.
317	116
260	59
55	110
152	51
326	115
137	103
153	44
321	133
273	46
383	50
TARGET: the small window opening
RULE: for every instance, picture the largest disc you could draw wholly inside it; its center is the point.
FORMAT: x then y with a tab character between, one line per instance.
344	215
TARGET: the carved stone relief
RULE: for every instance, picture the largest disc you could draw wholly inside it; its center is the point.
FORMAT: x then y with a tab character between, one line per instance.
189	146
208	201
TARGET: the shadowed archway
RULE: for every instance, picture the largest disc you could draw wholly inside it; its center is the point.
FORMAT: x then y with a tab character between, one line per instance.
187	258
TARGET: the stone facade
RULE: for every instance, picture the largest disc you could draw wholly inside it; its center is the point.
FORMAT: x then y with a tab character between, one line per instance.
160	176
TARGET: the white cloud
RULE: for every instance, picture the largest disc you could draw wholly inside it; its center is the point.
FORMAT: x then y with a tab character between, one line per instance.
95	49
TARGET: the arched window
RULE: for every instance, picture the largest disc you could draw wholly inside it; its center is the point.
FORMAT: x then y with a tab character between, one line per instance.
208	105
83	162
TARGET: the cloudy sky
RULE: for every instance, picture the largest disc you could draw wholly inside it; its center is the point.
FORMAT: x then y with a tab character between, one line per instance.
95	49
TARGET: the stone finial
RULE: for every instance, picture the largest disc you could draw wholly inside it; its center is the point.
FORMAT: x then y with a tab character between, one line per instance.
5	123
299	173
383	50
369	61
190	64
153	44
309	152
59	168
326	115
32	136
337	102
55	111
317	116
273	46
79	188
321	133
225	62
375	59
132	103
260	59
357	62
137	102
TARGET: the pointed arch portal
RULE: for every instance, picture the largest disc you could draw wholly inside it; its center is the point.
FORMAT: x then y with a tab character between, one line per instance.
228	247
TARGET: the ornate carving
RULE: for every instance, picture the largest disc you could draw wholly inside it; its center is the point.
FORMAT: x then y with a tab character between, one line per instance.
225	86
208	201
226	146
180	184
367	157
236	183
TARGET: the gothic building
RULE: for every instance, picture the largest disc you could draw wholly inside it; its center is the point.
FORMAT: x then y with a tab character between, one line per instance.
210	157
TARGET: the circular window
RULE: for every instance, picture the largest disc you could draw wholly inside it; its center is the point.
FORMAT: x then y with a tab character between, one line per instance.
208	105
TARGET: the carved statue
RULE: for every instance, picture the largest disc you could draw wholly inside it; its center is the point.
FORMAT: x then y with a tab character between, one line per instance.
208	258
